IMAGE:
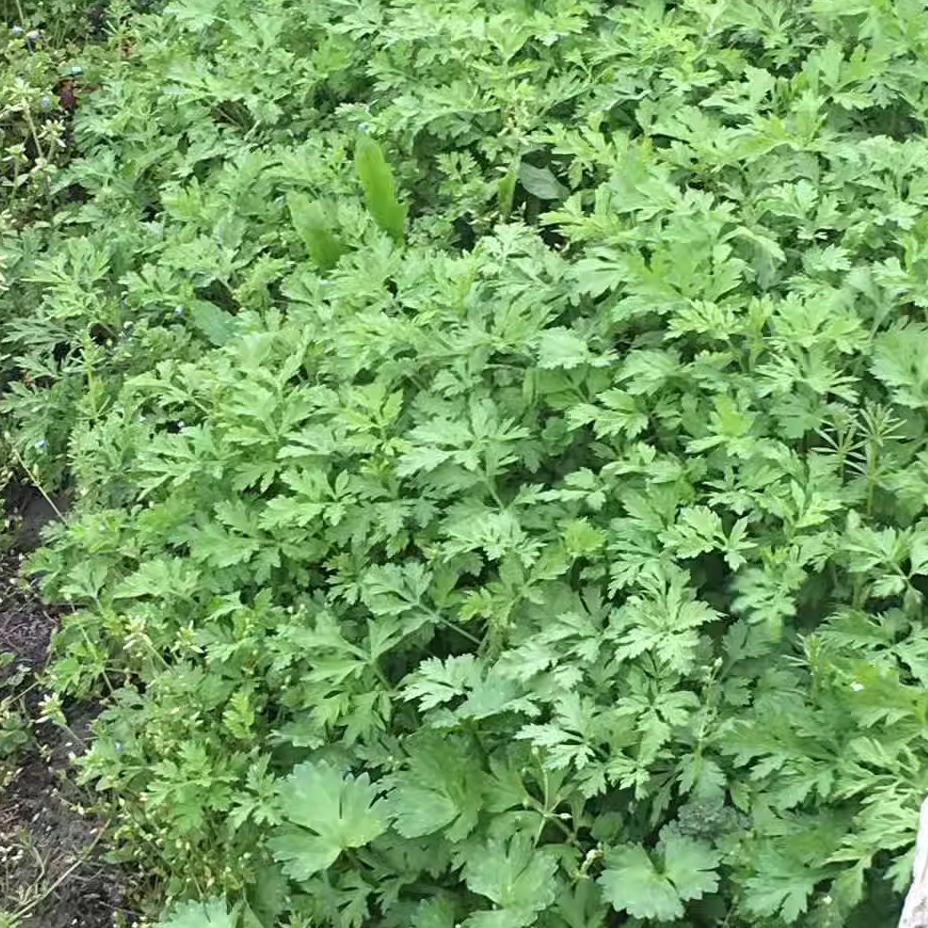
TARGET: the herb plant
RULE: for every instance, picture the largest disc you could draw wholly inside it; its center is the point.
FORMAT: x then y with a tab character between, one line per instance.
500	442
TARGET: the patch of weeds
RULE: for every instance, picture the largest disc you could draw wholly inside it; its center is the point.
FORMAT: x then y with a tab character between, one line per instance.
501	461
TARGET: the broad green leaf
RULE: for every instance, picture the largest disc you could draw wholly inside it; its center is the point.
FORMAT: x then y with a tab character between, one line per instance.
332	812
690	865
441	788
211	914
379	189
630	882
513	874
418	811
215	323
303	853
541	182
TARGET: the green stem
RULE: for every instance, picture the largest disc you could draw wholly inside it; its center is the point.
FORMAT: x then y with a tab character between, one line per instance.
34	480
473	639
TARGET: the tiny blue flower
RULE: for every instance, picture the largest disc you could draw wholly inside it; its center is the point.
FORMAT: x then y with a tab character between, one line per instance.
17	30
45	102
363	127
178	310
41	443
118	746
76	69
33	35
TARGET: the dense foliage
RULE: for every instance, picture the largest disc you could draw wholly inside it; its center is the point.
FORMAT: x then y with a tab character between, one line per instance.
500	447
50	52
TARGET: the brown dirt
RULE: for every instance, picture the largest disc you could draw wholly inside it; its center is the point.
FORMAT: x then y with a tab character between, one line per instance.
52	871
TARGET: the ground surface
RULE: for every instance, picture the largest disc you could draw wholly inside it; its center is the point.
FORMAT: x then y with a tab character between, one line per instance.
52	872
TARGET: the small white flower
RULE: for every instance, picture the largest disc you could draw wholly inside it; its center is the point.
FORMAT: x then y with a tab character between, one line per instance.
857	687
41	443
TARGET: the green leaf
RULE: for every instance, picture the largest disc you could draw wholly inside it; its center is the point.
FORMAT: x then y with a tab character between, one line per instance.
211	914
215	323
900	360
781	886
441	785
437	912
379	189
516	876
421	459
541	183
195	16
690	865
630	882
918	552
501	918
560	347
311	222
332	812
303	853
419	811
268	895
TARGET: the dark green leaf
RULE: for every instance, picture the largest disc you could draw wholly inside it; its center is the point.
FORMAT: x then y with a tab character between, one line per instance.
541	182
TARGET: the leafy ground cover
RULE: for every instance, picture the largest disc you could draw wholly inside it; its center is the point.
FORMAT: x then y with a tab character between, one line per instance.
497	438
